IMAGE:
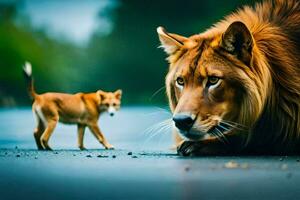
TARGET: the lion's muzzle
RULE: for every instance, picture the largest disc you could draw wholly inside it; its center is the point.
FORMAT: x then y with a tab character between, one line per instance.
184	122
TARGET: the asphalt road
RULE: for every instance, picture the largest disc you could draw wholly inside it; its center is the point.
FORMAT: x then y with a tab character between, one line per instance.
150	171
101	174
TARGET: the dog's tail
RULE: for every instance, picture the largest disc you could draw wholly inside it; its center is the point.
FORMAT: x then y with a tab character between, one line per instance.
27	71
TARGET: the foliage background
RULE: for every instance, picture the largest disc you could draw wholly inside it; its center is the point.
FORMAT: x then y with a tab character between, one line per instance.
123	55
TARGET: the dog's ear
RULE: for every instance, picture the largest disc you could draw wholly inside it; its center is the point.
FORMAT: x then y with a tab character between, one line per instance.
101	94
118	94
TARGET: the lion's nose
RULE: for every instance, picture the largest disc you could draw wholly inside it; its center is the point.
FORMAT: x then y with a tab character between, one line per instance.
183	122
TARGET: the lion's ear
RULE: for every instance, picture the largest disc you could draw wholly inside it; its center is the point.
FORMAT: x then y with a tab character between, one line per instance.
238	41
170	42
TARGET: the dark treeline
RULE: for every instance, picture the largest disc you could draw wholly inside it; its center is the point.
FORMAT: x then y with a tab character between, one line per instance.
127	58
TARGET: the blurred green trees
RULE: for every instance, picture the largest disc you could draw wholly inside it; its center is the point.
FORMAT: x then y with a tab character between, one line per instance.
127	58
52	60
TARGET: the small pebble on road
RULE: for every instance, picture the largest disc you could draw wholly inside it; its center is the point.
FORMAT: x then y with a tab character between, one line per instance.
284	167
101	156
231	165
187	168
281	159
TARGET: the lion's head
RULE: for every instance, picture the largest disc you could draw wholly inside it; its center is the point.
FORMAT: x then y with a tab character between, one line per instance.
213	85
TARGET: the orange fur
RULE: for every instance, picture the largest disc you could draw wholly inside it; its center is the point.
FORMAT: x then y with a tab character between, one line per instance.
82	109
255	53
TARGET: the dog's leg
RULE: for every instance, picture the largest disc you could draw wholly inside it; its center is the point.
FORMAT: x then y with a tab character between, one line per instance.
47	133
80	130
38	134
97	133
38	131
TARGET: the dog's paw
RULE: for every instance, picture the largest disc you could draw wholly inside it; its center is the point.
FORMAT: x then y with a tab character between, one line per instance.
82	148
47	148
109	147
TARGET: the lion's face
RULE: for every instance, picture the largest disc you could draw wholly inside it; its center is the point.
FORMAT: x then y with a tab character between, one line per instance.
206	92
206	84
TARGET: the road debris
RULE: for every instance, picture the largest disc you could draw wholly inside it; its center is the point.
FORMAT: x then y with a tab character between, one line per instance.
101	156
187	168
231	165
284	167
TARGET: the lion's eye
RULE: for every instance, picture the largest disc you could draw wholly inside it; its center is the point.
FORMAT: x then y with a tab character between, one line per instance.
212	80
180	81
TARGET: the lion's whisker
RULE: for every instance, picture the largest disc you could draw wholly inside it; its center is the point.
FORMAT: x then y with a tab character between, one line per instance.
158	127
223	127
156	92
154	113
165	110
217	136
233	125
222	135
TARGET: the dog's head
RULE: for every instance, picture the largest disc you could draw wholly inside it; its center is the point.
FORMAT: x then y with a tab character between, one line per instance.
110	101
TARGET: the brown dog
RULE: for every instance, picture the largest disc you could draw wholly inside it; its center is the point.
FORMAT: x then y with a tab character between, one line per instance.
81	109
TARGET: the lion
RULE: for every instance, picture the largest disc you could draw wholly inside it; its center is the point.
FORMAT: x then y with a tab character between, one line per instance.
235	89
